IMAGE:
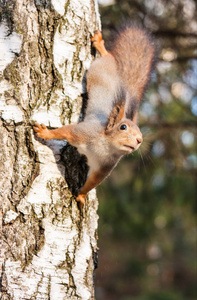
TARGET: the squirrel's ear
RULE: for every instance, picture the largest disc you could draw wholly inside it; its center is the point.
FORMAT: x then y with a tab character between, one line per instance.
115	117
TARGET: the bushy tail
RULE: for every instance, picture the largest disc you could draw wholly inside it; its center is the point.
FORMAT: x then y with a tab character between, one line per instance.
134	52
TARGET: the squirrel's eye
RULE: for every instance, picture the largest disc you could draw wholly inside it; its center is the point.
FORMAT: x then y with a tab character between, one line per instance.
123	127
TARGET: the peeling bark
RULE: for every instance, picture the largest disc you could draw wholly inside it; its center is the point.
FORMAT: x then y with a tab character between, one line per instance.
48	246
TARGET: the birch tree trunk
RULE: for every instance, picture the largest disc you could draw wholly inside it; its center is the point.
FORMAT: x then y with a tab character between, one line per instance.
48	246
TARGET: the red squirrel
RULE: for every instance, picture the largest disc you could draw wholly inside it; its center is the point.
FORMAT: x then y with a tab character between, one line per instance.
115	84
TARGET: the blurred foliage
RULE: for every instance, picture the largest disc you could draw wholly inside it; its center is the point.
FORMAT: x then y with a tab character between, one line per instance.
148	204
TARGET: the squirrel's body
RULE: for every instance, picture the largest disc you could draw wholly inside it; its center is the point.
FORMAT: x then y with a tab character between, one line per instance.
102	87
115	84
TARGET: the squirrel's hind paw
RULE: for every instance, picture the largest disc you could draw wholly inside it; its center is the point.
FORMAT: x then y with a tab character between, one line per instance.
97	36
98	43
81	200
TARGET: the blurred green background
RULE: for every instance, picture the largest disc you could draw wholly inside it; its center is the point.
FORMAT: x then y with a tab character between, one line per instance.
147	207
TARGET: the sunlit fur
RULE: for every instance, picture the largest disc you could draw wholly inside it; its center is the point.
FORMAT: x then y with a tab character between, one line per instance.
125	141
115	83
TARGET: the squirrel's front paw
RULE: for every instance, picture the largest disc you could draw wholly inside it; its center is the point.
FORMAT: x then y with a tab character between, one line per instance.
81	199
41	131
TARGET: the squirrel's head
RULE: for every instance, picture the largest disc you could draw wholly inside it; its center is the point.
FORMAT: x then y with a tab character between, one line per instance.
123	133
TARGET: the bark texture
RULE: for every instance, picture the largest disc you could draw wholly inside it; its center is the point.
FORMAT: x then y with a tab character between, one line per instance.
48	246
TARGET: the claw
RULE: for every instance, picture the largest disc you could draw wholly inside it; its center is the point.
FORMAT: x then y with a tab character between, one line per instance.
36	129
43	126
41	131
37	125
97	36
81	199
98	43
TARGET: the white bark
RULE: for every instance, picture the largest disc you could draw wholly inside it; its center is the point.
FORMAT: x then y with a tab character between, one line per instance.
48	245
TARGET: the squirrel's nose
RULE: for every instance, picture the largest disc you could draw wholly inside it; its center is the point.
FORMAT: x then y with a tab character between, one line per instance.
139	139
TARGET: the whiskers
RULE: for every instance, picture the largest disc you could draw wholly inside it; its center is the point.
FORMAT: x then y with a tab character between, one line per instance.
144	152
142	158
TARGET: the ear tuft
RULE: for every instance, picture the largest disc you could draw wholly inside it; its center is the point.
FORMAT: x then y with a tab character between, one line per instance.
115	117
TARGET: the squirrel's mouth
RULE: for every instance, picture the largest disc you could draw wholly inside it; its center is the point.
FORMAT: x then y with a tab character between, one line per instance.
129	147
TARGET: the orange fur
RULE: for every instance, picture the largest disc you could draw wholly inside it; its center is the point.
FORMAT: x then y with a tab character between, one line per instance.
93	180
63	133
134	53
115	85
